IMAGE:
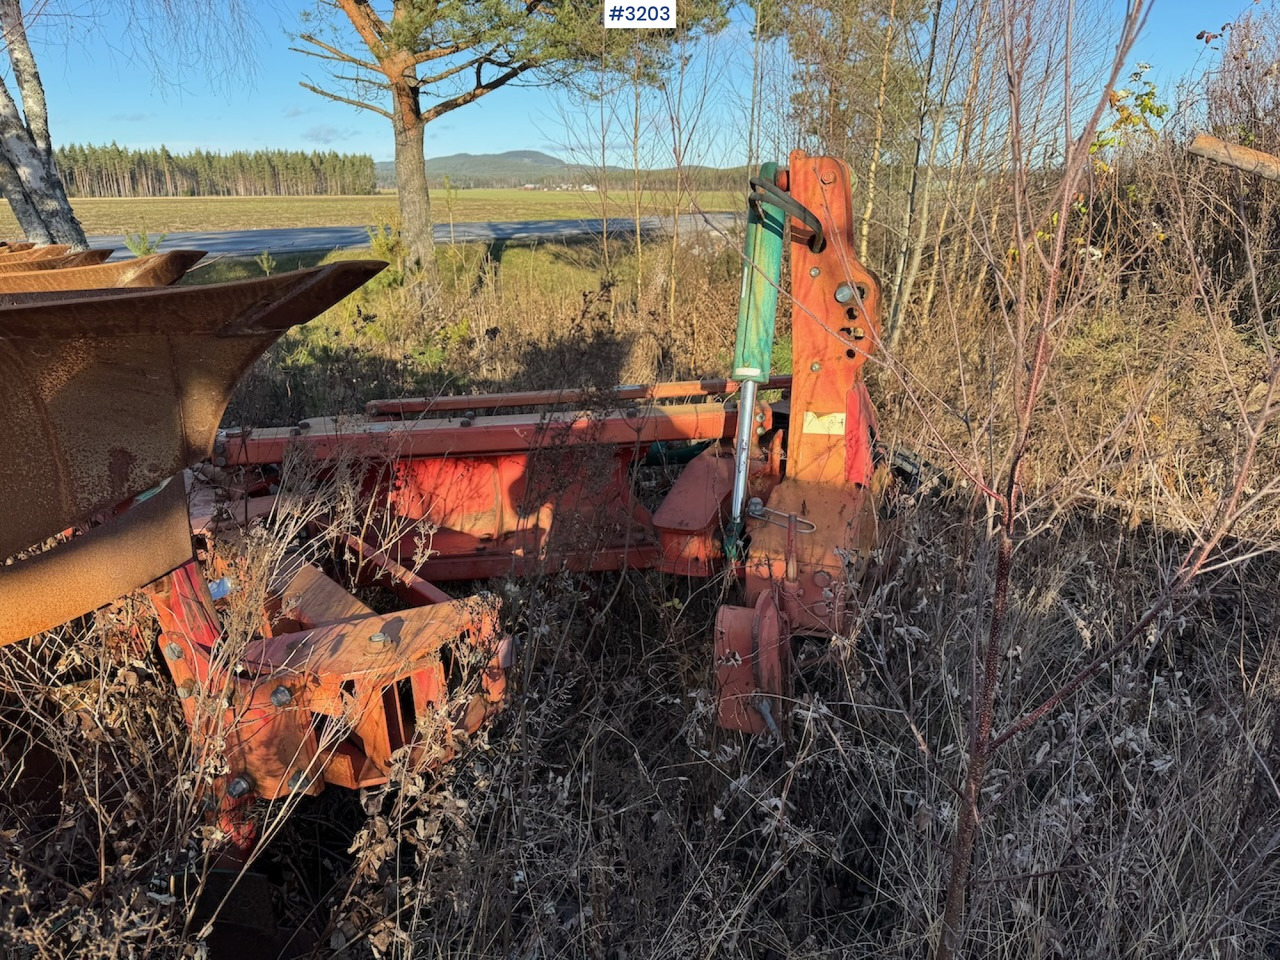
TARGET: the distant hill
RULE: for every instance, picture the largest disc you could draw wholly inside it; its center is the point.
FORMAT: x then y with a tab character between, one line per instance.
516	168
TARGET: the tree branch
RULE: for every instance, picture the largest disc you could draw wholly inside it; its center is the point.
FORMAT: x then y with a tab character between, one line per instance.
480	90
336	54
371	27
346	100
452	71
426	56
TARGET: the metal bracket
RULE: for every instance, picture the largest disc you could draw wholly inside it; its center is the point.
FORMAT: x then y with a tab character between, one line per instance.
757	509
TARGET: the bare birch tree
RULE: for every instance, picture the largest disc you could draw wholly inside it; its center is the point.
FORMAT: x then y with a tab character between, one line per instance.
28	177
171	37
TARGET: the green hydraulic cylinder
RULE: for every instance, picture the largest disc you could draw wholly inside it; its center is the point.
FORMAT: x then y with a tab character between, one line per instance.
761	277
753	351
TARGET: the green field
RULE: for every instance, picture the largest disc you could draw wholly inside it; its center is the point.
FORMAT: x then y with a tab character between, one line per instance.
170	215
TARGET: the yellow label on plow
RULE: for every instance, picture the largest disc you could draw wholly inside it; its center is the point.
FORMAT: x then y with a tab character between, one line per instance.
828	423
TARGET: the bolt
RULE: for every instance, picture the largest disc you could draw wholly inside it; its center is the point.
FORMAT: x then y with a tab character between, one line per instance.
822	578
759	431
760	417
304	424
821	609
281	696
755	507
219	461
815	367
239	786
844	293
173	651
814	271
186	689
466	422
470	415
379	638
828	177
219	447
299	781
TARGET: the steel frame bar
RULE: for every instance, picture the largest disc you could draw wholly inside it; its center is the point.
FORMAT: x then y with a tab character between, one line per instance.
539	398
327	437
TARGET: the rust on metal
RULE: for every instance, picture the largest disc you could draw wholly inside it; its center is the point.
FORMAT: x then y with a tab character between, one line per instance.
326	704
103	395
34	253
85	258
156	270
539	398
323	437
105	562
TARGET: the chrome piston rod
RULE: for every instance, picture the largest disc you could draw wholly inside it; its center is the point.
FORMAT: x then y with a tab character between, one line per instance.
742	447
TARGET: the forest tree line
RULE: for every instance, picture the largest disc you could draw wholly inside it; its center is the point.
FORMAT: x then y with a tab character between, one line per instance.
115	171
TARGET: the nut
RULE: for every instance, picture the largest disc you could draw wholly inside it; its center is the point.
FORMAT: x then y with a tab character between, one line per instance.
379	638
173	651
239	786
281	696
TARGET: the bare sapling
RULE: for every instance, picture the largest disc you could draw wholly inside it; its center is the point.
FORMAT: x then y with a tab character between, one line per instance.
1049	277
1039	302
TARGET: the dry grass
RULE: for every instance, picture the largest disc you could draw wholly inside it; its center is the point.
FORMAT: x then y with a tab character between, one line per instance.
107	216
517	317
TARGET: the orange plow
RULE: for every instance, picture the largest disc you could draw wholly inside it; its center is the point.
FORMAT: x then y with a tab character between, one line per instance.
113	396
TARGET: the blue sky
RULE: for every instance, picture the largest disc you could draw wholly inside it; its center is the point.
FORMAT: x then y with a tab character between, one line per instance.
99	92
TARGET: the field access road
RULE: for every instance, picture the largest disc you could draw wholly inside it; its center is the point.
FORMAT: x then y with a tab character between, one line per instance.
300	239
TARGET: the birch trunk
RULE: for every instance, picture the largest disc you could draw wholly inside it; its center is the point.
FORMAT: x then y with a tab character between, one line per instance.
26	145
24	210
